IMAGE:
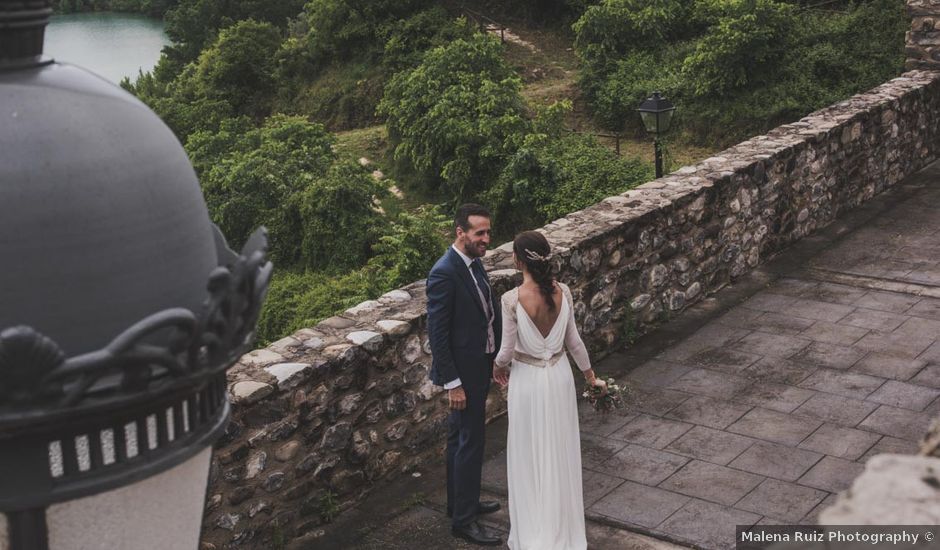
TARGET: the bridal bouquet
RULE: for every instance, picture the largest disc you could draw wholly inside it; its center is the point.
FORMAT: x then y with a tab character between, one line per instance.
604	403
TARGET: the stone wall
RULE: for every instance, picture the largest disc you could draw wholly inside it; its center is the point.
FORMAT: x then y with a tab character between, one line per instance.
923	40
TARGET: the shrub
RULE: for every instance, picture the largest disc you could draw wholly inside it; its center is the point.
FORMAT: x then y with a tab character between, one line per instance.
455	118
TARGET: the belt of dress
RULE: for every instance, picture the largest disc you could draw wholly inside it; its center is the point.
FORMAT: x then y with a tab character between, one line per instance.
537	361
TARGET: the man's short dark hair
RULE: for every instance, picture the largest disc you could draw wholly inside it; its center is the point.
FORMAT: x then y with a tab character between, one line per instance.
462	217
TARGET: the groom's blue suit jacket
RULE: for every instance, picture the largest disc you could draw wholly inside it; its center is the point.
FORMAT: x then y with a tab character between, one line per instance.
457	324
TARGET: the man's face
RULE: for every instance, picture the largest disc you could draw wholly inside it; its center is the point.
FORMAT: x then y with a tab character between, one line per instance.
474	241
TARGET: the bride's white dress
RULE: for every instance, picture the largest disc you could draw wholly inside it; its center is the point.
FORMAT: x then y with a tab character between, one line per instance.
546	507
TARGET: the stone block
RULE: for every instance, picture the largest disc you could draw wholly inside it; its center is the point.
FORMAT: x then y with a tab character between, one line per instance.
840	442
288	374
710	445
638	504
647	466
711	482
776	461
706	524
706	411
774	426
249	391
783	501
831	474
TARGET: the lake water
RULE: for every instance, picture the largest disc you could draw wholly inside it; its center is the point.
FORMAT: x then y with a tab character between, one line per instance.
114	45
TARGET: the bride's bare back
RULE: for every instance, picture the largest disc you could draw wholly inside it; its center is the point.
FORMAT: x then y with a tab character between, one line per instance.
537	309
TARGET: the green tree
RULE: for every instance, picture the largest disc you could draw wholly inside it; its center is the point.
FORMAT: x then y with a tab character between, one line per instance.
455	118
340	219
285	176
345	29
410	246
742	48
193	24
239	68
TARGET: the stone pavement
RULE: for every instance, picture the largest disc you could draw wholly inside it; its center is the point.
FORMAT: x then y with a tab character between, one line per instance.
757	406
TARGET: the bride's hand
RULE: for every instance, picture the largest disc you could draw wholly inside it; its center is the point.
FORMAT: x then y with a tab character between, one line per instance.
501	375
602	385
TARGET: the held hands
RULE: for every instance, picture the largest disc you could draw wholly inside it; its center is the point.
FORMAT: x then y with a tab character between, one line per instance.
457	398
501	375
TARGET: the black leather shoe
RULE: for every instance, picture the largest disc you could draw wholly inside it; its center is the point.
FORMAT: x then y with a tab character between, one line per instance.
474	533
488	507
485	507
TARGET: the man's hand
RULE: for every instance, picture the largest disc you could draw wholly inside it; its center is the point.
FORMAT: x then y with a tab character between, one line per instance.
501	375
458	399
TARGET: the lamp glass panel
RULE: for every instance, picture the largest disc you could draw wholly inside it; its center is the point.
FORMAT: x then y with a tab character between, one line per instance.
665	118
649	121
4	536
163	511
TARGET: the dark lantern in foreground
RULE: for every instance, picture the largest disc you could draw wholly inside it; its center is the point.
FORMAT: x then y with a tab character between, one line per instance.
121	307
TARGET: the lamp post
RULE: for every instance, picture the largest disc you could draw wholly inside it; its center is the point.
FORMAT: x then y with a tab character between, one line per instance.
656	113
121	307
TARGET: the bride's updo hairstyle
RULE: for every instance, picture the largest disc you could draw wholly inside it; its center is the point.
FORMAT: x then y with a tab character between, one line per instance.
533	250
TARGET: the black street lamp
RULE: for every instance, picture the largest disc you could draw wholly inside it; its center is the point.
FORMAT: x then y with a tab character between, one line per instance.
656	112
121	307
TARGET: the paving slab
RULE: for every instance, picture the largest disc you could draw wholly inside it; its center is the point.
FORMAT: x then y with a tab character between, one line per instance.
816	310
782	501
638	504
707	524
777	461
834	333
904	395
651	431
598	485
894	343
602	424
846	384
657	402
711	383
893	445
774	426
872	319
897	422
780	370
642	465
931	354
832	474
828	355
889	366
723	359
928	376
715	446
595	450
658	373
892	302
776	345
838	410
708	411
711	482
928	308
777	397
839	441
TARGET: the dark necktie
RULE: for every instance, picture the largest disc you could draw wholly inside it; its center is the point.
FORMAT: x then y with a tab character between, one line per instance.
477	267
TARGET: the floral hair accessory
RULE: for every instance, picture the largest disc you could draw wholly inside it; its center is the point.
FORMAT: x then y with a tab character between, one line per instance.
533	255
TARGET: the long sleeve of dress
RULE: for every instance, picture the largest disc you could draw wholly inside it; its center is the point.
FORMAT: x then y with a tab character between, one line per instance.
573	341
508	341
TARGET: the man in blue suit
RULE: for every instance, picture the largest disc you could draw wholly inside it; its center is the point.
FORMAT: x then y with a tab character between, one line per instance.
464	327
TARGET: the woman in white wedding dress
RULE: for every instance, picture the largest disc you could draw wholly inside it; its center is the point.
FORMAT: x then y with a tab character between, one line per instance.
546	507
